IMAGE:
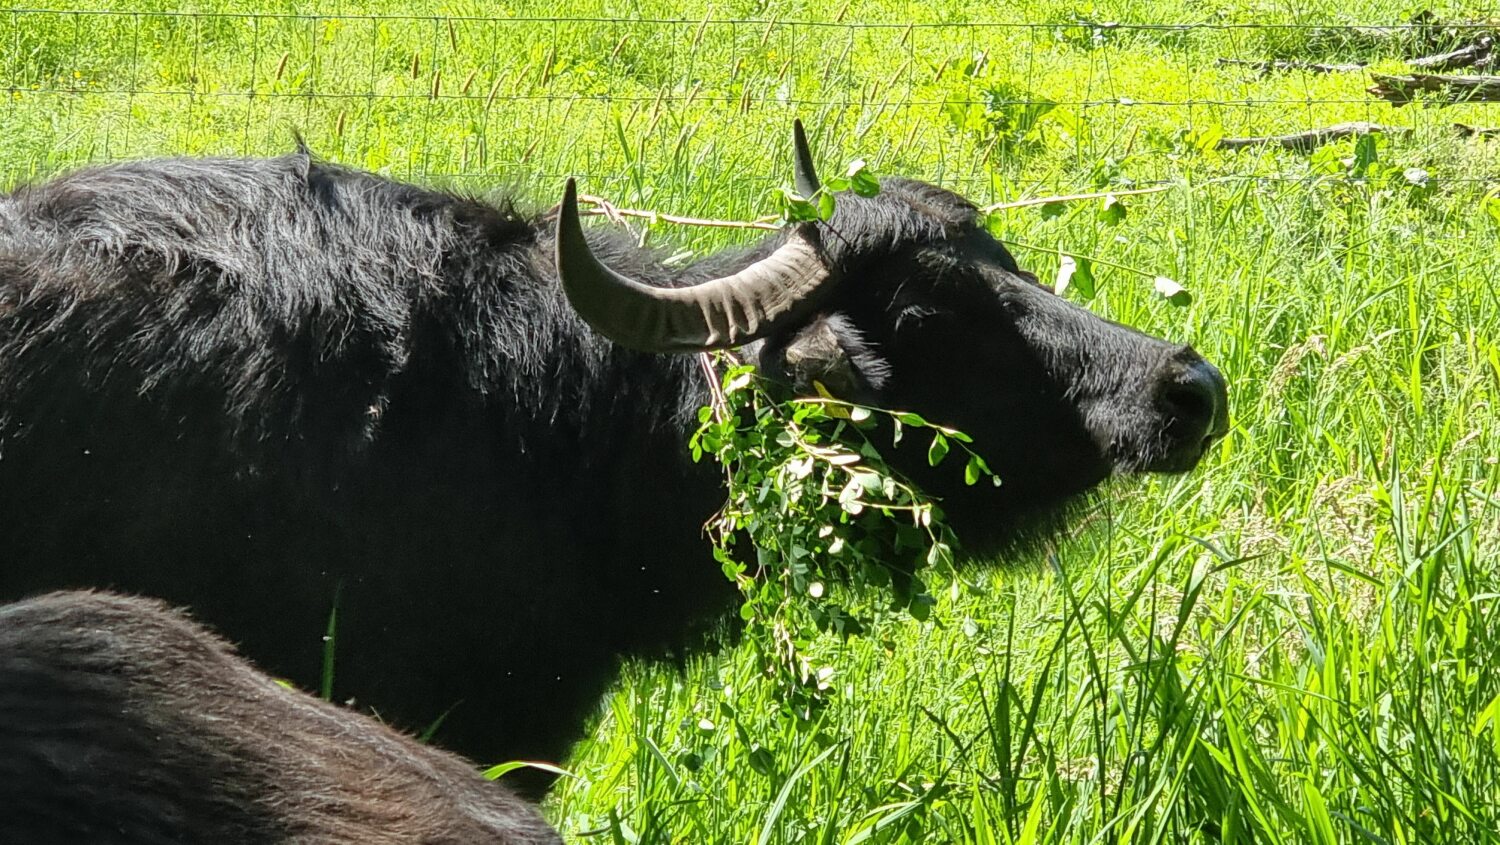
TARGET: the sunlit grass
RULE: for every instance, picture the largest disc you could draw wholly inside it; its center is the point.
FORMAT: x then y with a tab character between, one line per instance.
1298	643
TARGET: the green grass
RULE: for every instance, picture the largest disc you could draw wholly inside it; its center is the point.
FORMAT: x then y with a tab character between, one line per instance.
1298	643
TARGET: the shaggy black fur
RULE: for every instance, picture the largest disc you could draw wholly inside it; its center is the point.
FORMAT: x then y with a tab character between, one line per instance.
122	721
252	386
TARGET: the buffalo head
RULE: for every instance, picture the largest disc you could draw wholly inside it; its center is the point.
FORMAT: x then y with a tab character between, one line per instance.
905	300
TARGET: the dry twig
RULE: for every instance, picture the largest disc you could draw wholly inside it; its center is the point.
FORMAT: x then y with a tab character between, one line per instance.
604	208
1097	195
1467	131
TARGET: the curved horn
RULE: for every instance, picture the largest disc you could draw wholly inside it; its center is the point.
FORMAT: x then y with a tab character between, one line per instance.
806	175
717	314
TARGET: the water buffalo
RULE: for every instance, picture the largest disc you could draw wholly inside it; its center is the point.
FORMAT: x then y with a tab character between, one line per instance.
261	388
122	721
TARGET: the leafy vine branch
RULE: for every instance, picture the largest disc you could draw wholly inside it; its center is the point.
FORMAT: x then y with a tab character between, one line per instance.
837	540
602	207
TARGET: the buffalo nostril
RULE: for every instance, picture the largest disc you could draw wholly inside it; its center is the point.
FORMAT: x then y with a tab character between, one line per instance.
1189	403
1195	399
1189	409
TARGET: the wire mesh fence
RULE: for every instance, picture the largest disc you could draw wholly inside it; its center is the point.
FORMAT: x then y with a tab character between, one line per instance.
997	109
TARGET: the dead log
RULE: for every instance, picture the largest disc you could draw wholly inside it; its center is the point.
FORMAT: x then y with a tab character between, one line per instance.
1310	140
1478	54
1466	131
1421	31
1399	90
1269	66
1423	35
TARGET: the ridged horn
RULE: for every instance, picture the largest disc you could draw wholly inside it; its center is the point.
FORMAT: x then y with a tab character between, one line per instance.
802	163
733	310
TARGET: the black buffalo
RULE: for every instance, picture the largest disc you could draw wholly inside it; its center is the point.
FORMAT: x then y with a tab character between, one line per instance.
122	721
266	388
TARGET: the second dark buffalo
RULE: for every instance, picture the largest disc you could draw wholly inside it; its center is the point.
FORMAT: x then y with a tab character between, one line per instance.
123	722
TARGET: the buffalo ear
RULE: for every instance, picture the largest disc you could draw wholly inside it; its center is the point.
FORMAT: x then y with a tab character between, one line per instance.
831	352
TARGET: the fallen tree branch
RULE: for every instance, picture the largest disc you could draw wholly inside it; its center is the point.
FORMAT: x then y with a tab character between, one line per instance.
1457	89
1467	131
1419	29
1422	35
1477	54
1096	195
1309	140
1268	66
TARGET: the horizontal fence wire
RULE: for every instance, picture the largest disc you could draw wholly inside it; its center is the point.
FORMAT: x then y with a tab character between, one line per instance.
1000	109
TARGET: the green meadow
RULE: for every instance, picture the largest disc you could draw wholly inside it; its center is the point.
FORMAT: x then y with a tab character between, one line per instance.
1297	643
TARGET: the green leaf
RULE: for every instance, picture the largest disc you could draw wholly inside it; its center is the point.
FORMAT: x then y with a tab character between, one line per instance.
494	772
921	607
1491	204
1489	716
1033	821
1172	292
938	450
762	762
940	556
826	205
1067	266
1113	212
1054	210
1206	138
1083	280
796	208
861	180
983	467
737	379
872	482
972	471
1366	153
1075	274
